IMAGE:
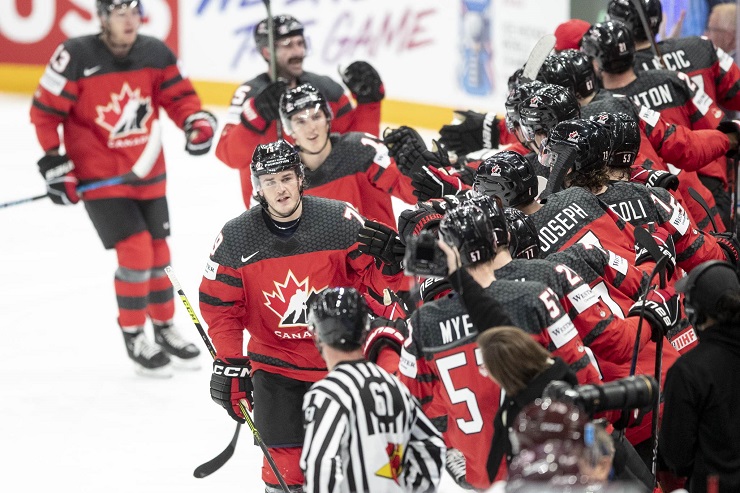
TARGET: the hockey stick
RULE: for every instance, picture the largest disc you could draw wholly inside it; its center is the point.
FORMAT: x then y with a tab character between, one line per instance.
218	461
703	203
273	60
139	170
637	4
647	241
537	57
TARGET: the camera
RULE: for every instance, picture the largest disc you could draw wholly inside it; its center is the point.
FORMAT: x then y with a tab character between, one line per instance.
424	257
635	392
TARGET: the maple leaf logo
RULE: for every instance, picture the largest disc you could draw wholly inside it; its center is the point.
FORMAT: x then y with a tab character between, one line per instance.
290	300
126	114
573	136
392	470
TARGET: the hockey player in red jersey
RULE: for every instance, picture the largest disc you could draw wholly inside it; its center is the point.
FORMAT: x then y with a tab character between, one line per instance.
352	167
672	94
440	357
106	91
264	267
253	116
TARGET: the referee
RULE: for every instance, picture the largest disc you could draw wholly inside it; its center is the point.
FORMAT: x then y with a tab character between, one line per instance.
364	430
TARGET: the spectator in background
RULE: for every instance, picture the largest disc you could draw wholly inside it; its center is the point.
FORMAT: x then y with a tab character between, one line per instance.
698	436
568	34
721	27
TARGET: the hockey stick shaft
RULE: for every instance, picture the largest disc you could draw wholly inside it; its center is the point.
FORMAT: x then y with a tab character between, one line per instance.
703	203
139	170
637	4
273	60
537	56
242	402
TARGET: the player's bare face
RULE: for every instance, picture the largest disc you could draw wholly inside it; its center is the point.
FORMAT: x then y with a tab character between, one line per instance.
122	27
282	193
289	55
310	129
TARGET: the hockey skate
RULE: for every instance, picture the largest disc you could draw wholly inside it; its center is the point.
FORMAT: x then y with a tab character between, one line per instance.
455	465
149	360
184	354
278	489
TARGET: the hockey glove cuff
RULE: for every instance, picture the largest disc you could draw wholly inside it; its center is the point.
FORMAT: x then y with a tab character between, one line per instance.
412	222
61	184
655	178
200	127
384	333
230	382
729	243
383	243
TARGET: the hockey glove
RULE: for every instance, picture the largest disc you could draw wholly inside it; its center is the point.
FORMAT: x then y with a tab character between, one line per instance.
406	146
661	311
475	131
267	102
411	222
364	82
655	178
61	184
200	127
667	248
434	183
383	243
729	243
230	382
732	130
384	333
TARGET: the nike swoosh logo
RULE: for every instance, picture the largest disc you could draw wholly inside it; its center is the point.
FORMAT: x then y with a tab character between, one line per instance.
89	71
245	260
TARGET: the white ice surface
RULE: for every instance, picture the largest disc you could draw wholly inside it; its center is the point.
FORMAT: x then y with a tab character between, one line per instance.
73	415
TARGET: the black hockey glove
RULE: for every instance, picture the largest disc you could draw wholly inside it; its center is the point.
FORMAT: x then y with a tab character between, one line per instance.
411	222
729	243
661	311
200	127
655	178
364	82
267	102
732	129
230	382
475	131
667	248
434	183
406	146
383	243
61	184
384	333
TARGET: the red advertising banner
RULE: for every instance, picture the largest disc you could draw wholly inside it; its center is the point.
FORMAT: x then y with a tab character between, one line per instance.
30	30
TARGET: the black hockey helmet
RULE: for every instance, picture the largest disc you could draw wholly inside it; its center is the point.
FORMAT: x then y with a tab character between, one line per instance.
273	158
517	94
468	229
582	72
340	318
612	46
554	71
494	210
509	176
624	11
703	287
590	139
284	26
625	138
524	242
546	108
515	79
105	7
301	98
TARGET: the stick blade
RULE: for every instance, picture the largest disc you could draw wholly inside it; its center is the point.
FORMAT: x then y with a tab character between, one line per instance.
213	465
537	56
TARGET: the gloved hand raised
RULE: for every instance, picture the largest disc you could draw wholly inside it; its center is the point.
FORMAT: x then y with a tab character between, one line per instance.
434	183
406	146
267	102
475	131
230	382
61	183
364	82
383	243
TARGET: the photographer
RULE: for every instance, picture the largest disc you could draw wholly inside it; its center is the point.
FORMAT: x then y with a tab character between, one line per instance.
699	438
524	369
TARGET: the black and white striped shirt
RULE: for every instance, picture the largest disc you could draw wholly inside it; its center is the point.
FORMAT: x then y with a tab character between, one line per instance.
366	433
